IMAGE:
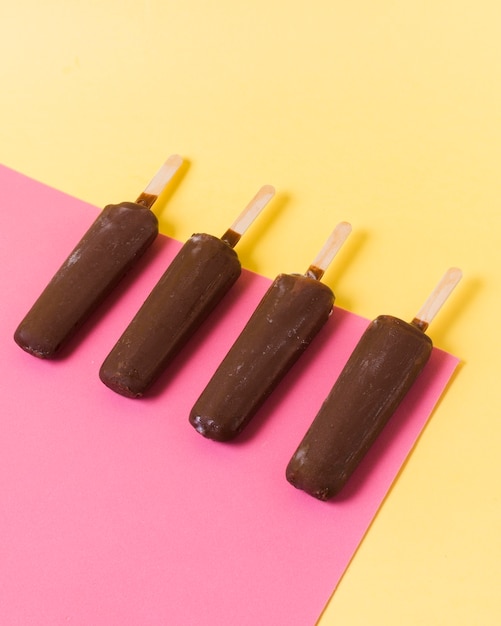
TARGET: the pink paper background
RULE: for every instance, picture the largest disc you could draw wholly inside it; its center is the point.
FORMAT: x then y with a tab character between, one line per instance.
115	511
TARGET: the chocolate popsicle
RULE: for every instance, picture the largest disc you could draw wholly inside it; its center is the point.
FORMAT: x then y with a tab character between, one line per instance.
108	250
289	316
383	366
200	275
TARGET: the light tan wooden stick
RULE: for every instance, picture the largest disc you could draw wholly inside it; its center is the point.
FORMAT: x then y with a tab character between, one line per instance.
329	250
437	298
160	181
248	215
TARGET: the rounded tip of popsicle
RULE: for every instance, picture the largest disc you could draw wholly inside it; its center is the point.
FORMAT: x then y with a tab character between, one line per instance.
455	273
269	189
175	159
123	385
320	492
42	348
346	226
210	428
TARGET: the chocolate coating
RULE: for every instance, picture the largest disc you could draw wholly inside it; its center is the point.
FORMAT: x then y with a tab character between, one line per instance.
117	238
379	373
199	276
286	320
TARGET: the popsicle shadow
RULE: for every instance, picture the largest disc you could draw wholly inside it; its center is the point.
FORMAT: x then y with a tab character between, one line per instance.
163	199
247	246
343	260
454	309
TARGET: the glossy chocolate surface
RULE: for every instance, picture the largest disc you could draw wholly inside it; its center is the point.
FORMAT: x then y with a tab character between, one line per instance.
385	363
117	238
288	317
197	279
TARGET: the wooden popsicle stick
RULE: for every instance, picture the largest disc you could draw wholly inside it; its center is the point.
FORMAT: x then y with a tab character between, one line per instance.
244	220
329	250
158	183
437	298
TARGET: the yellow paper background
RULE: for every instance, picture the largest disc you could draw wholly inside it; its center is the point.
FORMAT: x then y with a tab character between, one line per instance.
386	114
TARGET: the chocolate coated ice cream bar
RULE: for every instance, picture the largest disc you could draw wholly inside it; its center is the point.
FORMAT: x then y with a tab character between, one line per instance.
197	279
382	368
108	250
289	316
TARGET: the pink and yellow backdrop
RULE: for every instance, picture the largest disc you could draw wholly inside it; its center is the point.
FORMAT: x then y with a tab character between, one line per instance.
382	114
